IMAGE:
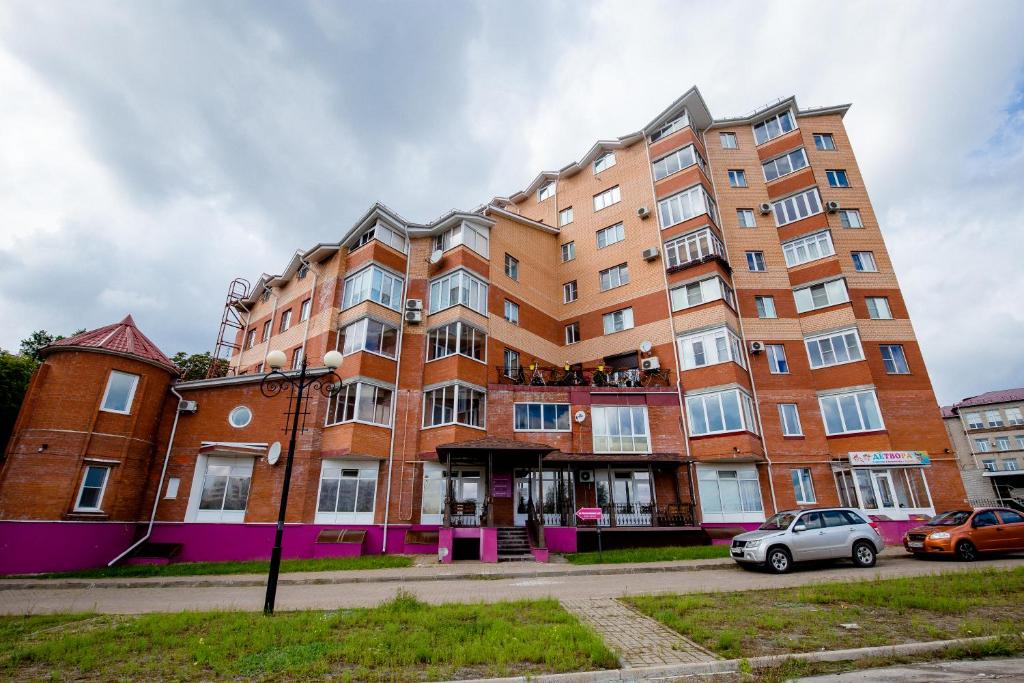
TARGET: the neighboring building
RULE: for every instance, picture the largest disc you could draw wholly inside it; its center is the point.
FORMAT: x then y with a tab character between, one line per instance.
695	325
987	433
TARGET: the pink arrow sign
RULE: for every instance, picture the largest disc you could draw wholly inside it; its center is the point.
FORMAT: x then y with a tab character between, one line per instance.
589	514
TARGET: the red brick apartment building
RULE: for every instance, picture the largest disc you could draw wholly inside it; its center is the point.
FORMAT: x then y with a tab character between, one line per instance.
693	326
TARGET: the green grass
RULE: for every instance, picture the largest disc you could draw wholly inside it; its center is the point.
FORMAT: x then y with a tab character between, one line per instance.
687	552
401	640
254	567
769	622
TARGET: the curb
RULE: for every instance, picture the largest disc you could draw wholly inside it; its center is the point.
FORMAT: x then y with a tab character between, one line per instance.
734	665
186	582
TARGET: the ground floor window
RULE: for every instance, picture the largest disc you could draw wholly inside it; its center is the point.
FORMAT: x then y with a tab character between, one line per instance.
886	489
730	494
90	495
224	488
467	487
558	495
347	492
803	486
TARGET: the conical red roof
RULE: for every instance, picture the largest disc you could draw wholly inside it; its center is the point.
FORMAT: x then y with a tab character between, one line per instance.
122	338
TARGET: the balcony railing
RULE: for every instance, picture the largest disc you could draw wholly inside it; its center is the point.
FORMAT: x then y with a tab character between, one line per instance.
697	261
601	376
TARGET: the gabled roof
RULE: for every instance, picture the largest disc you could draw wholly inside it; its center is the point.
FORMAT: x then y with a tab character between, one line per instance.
990	398
777	107
121	339
491	209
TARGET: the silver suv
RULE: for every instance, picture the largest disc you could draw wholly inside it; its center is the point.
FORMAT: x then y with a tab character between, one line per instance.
819	534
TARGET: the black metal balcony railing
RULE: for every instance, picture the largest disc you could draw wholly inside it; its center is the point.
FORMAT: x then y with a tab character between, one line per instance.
601	376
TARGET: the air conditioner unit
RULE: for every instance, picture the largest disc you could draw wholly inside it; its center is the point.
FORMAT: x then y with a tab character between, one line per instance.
414	317
650	253
643	212
765	207
585	476
831	207
414	304
651	363
187	406
756	347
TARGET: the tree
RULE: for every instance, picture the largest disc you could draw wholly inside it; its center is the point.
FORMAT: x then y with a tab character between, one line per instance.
33	344
197	365
15	373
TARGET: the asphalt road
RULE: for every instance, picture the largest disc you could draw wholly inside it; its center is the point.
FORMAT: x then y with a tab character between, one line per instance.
1011	669
137	600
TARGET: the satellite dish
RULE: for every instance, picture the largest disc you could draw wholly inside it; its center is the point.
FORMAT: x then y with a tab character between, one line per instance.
274	453
646	346
580	416
435	256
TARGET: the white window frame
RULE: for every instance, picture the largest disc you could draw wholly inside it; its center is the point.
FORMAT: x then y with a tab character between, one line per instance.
833	289
511	267
610	322
765	304
864	261
510	362
360	327
131	393
250	339
874	312
686	204
570	292
613	234
716	400
546	191
103	488
305	309
678	123
828	345
462	331
774	169
612	277
777	364
803	486
693	246
543	406
797	206
565	216
709	483
982	446
456	388
790	420
286	321
609	197
217	516
384	235
444	283
360	389
994	418
1002	443
891	363
820	142
603	432
465	234
710	347
756	262
856	394
568	251
679	160
763	131
844	219
267	330
737	177
511	312
603	162
834	175
364	469
742	216
731	137
1014	416
358	288
572	333
973	420
807	248
709	289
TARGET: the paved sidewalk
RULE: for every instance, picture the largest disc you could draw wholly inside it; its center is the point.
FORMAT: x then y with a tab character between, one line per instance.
335	595
639	640
1011	669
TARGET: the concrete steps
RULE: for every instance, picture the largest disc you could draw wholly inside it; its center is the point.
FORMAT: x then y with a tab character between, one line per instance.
514	545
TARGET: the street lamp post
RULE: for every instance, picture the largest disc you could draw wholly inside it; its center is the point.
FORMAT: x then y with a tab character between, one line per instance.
272	385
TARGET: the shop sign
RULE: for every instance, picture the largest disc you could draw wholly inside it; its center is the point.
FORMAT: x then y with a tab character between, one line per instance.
501	486
888	458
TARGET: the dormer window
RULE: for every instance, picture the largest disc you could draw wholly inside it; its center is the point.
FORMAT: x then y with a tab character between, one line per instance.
382	233
605	161
672	126
545	191
265	297
302	272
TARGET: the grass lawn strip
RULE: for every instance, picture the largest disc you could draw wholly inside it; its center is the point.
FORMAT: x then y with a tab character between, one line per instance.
327	564
810	618
401	640
691	552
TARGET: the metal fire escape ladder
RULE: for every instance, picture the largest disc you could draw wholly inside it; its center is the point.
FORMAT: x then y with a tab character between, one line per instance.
230	336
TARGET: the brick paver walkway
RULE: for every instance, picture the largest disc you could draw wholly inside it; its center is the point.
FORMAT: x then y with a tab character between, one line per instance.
639	640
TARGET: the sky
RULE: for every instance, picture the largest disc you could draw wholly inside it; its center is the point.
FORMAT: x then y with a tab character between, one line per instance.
150	152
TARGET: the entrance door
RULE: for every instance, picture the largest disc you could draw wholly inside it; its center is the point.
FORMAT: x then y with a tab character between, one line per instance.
886	493
557	493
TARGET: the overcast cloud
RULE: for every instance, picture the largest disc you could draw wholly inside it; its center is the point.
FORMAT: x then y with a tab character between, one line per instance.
151	152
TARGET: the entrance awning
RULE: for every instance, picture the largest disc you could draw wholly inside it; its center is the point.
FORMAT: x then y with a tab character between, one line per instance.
502	448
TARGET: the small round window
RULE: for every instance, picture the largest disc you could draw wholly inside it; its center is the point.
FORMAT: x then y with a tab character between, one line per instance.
240	417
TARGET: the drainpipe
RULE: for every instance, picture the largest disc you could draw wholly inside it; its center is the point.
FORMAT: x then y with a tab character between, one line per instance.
394	404
743	338
312	295
160	486
270	332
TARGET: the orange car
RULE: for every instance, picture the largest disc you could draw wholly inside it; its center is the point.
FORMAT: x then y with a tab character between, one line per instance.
966	533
